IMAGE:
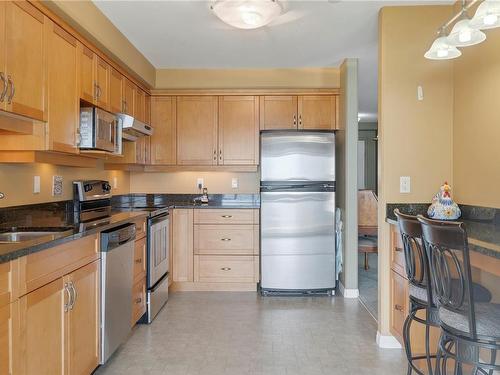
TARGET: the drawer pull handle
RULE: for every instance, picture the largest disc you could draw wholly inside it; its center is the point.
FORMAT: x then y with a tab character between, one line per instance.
398	249
398	307
226	268
226	216
225	239
138	260
138	300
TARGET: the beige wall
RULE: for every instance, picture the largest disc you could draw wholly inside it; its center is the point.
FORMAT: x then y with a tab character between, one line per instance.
16	182
247	78
476	132
185	182
414	136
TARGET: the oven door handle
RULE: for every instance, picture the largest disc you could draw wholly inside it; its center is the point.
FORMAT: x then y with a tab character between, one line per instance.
159	282
157	219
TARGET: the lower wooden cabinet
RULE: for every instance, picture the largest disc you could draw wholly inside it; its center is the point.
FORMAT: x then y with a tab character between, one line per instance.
138	300
225	269
399	302
182	245
8	322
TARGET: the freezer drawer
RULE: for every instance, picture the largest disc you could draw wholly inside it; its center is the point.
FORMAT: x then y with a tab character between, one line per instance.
294	223
297	156
298	272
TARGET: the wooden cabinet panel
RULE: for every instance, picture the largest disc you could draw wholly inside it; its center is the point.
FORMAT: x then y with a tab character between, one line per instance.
25	59
182	245
42	320
138	300
197	130
86	73
224	239
82	327
399	300
140	259
224	216
140	228
9	332
238	130
217	268
278	112
115	91
317	112
147	109
63	105
128	97
397	253
9	282
163	121
139	105
102	82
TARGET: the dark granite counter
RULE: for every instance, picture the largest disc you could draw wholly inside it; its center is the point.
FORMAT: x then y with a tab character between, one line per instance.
482	224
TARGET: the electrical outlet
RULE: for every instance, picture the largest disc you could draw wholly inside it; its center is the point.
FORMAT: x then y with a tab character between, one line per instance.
420	93
234	183
36	184
404	184
200	184
57	185
115	182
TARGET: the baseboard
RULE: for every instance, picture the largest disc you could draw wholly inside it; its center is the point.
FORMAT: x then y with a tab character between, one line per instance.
187	286
387	341
348	293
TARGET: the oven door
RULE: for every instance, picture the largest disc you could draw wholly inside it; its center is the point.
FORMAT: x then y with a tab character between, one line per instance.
105	131
158	249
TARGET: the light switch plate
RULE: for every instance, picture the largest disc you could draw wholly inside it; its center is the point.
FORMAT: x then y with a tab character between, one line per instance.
404	184
115	182
200	184
57	185
36	184
234	183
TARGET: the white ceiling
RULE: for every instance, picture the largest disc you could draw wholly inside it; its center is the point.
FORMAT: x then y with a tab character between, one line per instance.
185	34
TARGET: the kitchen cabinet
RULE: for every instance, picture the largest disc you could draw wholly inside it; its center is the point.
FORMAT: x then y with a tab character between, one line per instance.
182	245
86	72
317	112
102	83
139	267
63	108
278	112
197	130
9	333
140	105
163	139
399	308
128	97
115	91
138	301
23	60
238	130
147	109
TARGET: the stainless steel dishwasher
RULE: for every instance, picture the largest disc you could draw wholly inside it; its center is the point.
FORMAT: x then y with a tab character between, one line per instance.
117	258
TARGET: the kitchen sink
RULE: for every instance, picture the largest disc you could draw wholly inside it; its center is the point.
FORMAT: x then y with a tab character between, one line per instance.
28	234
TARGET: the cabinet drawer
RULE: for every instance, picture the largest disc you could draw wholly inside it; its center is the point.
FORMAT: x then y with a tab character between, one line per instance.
138	300
8	282
224	216
140	228
226	239
218	268
140	259
38	269
397	253
399	299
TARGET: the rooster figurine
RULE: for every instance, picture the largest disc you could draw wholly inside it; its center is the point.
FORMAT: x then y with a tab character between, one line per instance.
443	207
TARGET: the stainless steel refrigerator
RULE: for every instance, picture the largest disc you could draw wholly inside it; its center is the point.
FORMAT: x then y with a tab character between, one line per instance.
297	211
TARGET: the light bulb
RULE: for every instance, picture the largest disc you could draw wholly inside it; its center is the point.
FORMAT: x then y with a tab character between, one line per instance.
442	53
251	18
490	19
465	36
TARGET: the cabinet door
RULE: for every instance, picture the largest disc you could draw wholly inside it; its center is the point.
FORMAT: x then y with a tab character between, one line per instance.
102	82
82	324
8	338
42	319
3	88
238	130
147	109
182	245
86	73
317	112
278	112
25	60
115	91
399	293
139	105
128	97
163	139
197	130
63	90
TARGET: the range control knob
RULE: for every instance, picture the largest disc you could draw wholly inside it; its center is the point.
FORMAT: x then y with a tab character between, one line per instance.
106	187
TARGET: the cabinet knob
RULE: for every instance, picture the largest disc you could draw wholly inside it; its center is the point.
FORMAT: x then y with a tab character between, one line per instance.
5	86
12	89
138	260
226	216
225	239
398	307
138	300
294	120
398	249
226	268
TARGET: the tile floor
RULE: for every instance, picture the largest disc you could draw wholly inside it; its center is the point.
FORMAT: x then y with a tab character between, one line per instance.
368	282
243	333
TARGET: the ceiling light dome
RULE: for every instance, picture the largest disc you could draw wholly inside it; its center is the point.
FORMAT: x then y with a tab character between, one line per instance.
442	50
487	15
247	14
463	35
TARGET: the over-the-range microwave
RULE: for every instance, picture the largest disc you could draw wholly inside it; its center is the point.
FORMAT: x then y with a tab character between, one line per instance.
100	130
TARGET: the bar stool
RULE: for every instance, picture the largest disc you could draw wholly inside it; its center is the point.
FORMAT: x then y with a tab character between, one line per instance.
470	327
420	292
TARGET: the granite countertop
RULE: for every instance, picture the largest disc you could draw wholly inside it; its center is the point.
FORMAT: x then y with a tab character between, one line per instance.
13	250
482	225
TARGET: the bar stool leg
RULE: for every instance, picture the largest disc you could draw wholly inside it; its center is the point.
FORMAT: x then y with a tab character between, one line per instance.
427	345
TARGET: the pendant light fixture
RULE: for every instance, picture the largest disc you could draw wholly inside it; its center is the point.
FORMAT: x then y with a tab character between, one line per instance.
247	14
487	15
463	35
441	49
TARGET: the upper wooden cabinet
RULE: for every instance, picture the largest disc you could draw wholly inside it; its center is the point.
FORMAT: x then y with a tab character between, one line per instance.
197	130
103	71
128	97
115	91
23	65
86	72
317	112
140	105
238	130
163	121
278	112
63	110
147	109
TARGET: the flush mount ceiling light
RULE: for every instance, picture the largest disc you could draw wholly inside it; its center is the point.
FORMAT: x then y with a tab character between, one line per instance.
442	50
487	15
247	14
463	35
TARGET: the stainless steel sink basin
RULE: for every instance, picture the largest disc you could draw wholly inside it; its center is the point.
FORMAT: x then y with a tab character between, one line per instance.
21	235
